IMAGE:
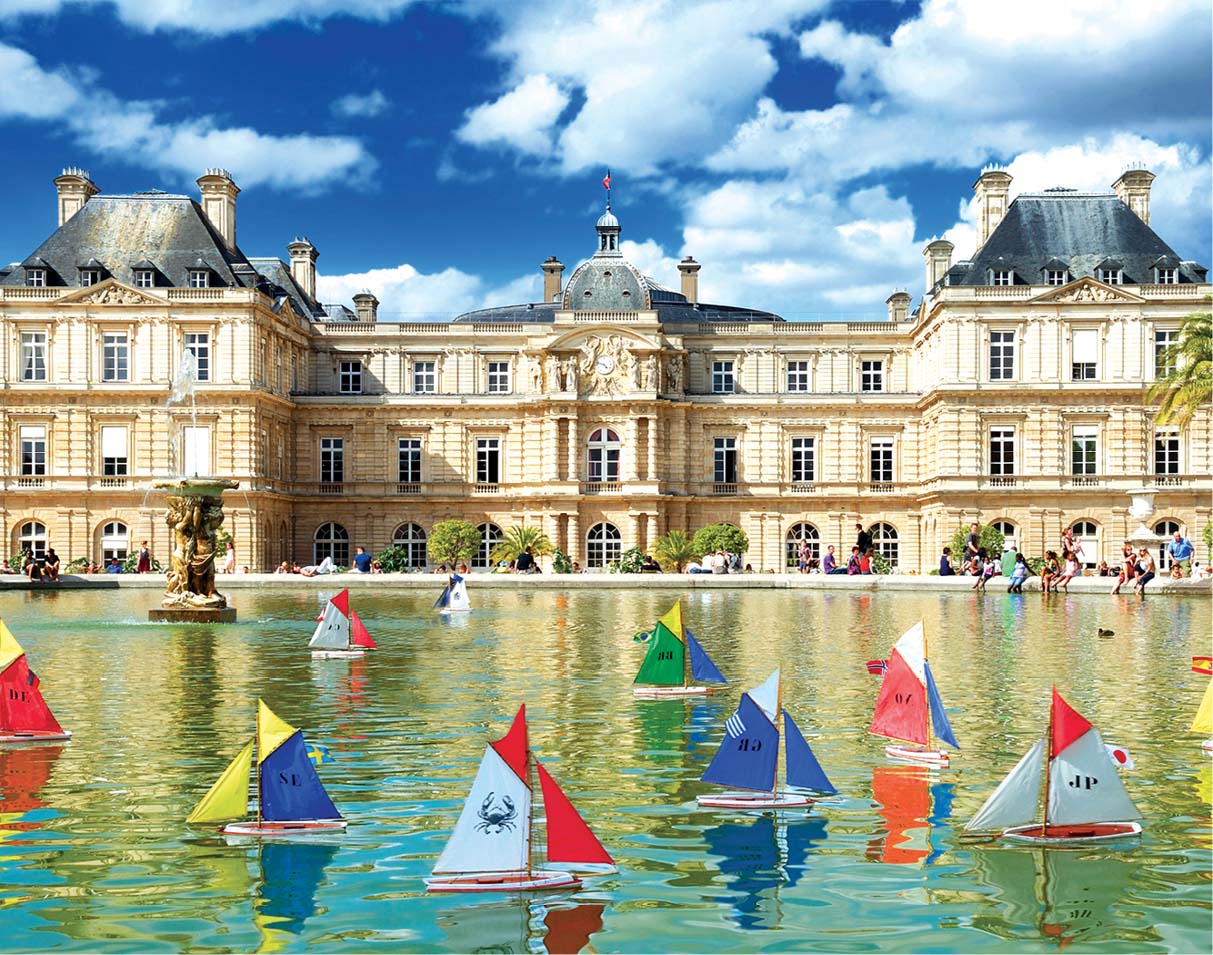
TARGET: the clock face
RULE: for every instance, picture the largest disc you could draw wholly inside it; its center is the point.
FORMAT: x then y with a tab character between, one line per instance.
604	365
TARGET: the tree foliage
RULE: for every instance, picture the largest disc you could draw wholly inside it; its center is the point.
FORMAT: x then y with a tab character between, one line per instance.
454	541
1188	385
561	563
716	537
674	551
394	559
990	538
517	539
630	562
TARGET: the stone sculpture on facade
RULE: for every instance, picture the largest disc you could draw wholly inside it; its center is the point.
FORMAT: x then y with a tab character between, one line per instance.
673	374
195	514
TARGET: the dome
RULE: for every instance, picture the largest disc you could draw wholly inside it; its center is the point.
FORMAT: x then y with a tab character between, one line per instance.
608	221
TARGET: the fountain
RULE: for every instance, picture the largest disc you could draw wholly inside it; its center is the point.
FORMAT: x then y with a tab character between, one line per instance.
195	513
1142	508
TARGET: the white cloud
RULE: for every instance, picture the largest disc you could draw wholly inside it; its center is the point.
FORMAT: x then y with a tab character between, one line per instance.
358	106
135	132
408	295
522	118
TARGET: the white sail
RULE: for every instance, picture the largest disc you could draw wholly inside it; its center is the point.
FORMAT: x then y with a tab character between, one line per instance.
912	647
459	596
1084	785
1013	803
332	630
493	831
766	695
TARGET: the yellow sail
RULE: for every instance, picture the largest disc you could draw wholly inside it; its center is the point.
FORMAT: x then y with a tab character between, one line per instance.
10	649
228	798
673	621
272	732
1204	714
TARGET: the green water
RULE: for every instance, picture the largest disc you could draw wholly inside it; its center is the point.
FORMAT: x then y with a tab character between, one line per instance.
94	855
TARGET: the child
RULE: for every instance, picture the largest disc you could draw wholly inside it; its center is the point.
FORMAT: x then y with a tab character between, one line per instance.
1019	575
1050	572
1069	572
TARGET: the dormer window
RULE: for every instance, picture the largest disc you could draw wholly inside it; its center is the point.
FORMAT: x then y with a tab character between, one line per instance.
1000	276
200	278
1056	277
35	278
144	278
89	277
1111	276
1166	276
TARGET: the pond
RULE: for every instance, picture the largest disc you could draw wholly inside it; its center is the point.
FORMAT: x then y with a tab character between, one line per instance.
95	854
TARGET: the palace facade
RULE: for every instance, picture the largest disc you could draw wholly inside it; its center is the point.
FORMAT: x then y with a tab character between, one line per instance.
609	413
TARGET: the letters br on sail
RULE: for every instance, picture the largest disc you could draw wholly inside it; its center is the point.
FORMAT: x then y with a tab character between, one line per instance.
909	706
339	631
673	658
24	715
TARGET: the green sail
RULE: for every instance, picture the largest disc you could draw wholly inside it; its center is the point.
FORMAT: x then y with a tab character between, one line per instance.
664	663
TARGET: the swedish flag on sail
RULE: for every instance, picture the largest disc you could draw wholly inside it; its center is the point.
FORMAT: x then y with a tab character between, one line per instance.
318	754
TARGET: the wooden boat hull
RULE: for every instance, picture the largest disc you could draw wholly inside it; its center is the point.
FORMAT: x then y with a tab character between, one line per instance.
917	754
34	737
668	692
337	654
755	801
537	881
301	827
1072	836
450	613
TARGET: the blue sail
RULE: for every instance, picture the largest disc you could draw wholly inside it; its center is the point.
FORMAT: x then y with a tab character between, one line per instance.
444	598
290	788
702	667
939	716
803	769
749	751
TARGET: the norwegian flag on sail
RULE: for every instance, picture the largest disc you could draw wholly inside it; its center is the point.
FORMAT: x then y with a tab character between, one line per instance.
877	667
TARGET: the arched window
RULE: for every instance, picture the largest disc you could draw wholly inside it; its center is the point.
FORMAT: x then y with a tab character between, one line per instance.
797	533
884	541
490	537
1167	529
603	545
331	540
31	536
602	465
1086	536
412	538
1010	533
115	541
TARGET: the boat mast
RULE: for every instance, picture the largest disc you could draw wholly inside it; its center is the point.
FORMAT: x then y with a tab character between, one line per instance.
1044	829
530	819
778	718
257	764
686	650
927	689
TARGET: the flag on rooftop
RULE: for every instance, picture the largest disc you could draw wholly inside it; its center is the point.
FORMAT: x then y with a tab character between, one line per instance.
606	180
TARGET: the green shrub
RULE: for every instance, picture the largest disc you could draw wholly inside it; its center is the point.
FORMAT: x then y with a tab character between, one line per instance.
988	537
630	562
716	537
561	563
130	564
674	551
882	564
77	565
394	559
454	542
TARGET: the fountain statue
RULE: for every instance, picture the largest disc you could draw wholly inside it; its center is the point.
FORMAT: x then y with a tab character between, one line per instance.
195	513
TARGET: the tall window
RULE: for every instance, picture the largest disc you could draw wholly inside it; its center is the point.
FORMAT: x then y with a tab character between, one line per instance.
490	537
408	460
1086	534
1084	449
603	545
412	538
114	450
350	381
1165	530
880	458
115	357
1002	451
332	460
724	461
499	377
1009	533
33	356
603	459
1164	363
488	460
425	377
331	540
199	278
199	345
1084	351
804	460
1002	356
196	450
1166	452
871	376
278	370
31	536
797	533
798	376
723	382
885	542
115	540
33	450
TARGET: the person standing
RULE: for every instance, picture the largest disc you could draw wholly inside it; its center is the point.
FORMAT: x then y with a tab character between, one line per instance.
972	542
864	541
802	556
229	559
1181	550
145	559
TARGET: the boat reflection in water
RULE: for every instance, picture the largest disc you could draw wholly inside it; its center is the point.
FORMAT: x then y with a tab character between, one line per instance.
24	770
916	807
759	858
554	925
291	872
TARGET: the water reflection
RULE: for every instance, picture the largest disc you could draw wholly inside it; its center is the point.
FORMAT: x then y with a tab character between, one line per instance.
556	925
291	872
24	770
912	801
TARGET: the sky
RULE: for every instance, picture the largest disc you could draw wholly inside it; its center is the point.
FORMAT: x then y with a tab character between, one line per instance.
803	151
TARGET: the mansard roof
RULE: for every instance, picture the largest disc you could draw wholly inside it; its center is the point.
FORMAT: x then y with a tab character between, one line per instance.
1080	230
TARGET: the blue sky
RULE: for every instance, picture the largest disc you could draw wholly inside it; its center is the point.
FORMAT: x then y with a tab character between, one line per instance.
802	150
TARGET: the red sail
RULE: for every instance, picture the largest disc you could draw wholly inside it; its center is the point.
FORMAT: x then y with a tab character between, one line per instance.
1068	725
513	746
901	707
22	709
569	838
358	633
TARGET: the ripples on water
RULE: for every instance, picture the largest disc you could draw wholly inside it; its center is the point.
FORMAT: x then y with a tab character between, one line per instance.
94	854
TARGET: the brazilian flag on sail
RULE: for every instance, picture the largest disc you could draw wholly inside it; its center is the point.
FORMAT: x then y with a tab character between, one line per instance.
665	662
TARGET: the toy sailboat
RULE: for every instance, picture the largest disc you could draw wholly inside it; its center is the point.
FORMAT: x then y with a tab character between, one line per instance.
339	631
748	757
1085	801
664	671
909	703
490	849
454	597
24	715
290	797
1204	718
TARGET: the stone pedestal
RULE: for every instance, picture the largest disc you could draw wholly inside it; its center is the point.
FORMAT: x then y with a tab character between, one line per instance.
200	615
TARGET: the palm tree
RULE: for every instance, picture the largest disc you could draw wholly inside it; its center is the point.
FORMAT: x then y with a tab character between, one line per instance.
1187	384
518	539
674	551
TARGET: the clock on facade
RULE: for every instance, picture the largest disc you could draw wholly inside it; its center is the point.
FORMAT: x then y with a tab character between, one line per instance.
604	365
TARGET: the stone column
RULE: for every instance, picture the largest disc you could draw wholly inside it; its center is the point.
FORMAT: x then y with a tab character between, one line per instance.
651	438
574	538
571	459
551	450
631	460
651	533
633	539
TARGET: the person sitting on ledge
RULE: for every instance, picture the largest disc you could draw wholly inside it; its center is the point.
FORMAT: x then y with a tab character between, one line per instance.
33	570
650	566
524	563
326	566
5	568
50	567
945	563
694	567
283	568
113	567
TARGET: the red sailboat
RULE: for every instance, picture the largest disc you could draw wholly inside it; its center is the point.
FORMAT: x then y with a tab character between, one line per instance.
909	704
24	715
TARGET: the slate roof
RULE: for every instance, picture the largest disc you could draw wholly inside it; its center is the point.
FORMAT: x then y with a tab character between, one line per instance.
667	312
277	274
1078	229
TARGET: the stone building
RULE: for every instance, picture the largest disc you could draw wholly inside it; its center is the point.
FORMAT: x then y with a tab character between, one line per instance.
609	413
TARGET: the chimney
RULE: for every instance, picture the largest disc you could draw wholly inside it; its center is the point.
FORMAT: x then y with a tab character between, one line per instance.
553	278
690	279
303	264
1133	187
991	188
939	259
219	202
899	306
75	188
366	306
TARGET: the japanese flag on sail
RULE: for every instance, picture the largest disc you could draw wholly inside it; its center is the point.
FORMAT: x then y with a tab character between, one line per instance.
1120	756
